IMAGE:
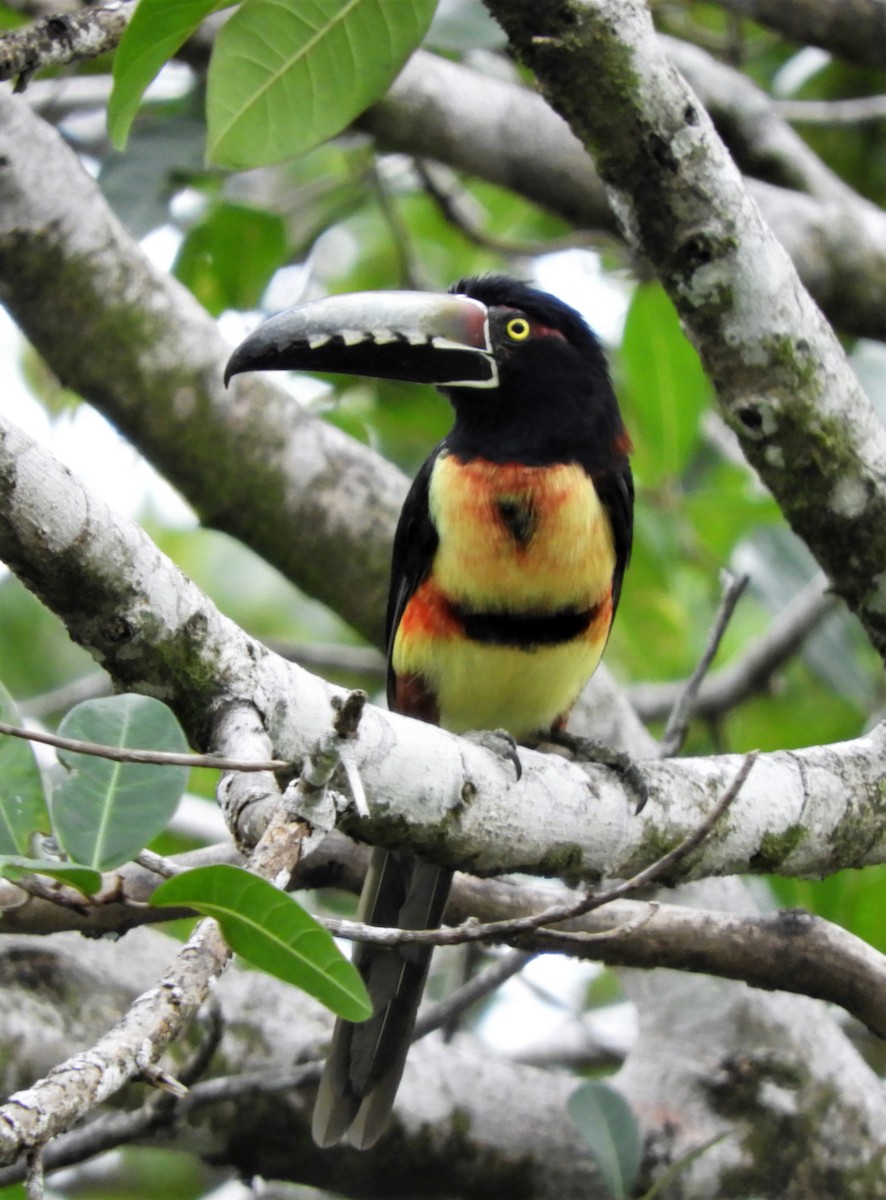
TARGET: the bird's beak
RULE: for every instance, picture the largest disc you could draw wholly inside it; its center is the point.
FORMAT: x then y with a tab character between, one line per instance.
417	336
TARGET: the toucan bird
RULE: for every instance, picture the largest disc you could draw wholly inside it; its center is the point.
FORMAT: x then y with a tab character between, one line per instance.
507	568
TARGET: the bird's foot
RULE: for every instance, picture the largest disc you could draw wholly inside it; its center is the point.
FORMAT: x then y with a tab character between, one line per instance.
588	750
498	742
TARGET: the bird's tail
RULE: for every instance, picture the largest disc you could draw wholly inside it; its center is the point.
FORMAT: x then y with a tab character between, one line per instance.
366	1060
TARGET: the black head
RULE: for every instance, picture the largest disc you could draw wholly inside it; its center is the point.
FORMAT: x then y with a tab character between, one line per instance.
554	399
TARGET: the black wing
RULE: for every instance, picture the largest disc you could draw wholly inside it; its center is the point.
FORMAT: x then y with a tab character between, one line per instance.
616	491
415	544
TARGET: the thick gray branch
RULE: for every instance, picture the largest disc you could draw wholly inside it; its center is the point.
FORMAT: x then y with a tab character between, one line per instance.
807	811
782	378
791	950
466	1118
137	344
851	29
53	1104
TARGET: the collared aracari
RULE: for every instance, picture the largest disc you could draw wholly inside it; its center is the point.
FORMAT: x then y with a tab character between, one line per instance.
507	567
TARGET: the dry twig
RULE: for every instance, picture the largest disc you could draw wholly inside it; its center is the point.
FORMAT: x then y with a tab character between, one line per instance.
678	722
164	758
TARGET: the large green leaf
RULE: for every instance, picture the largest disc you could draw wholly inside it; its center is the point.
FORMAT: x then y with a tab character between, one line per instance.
286	75
607	1124
22	803
666	388
272	932
104	812
157	30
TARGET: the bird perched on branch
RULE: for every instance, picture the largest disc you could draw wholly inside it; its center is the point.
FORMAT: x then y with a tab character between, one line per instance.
507	567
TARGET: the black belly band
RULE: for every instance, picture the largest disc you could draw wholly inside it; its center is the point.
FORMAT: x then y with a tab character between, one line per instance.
525	630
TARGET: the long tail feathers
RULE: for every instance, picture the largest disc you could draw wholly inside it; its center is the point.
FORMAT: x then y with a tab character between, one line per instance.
365	1061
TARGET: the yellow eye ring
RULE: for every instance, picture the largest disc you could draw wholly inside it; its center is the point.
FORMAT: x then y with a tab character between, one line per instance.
517	329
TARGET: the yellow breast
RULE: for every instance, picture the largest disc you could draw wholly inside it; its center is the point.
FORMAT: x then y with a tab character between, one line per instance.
519	538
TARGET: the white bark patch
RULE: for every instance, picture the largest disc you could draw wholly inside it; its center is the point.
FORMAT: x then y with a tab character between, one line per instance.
849	497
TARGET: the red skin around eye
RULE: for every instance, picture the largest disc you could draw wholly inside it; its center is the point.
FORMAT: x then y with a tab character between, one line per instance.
539	330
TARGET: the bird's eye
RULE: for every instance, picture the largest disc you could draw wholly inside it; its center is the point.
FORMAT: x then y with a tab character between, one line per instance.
517	329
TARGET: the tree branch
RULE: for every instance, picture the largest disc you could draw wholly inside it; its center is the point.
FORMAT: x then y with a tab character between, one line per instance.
52	1105
851	29
753	671
807	811
684	705
30	1118
452	113
136	344
790	950
454	1093
59	40
553	914
781	376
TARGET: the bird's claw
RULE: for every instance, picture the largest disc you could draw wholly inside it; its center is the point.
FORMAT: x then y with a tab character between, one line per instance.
498	742
588	750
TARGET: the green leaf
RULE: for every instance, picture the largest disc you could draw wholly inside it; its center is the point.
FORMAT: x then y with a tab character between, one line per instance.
605	1121
666	388
286	75
22	802
104	812
272	932
228	259
157	30
81	878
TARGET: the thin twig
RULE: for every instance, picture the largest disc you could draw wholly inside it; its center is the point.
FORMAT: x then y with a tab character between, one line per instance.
753	670
852	110
624	929
309	795
163	758
442	187
410	268
678	722
478	988
157	864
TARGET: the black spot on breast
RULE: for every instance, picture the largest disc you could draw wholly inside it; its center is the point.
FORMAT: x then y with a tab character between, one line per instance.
519	517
